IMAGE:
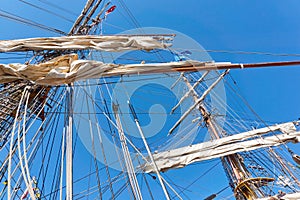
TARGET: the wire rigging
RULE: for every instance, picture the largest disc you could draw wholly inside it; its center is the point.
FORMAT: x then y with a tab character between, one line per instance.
46	10
243	52
58	7
22	20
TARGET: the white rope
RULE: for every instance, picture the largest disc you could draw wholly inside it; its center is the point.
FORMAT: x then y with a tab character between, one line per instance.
149	153
130	169
24	149
11	147
62	164
175	192
35	148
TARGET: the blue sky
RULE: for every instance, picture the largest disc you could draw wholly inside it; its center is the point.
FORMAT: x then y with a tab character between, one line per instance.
259	26
251	26
254	26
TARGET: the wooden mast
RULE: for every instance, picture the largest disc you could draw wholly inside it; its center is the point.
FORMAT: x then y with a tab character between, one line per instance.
244	184
69	118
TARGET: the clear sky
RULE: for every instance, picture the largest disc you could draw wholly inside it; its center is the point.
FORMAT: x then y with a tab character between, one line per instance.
270	26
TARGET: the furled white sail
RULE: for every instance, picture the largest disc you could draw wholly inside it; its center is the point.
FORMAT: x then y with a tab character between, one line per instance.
79	42
247	141
67	69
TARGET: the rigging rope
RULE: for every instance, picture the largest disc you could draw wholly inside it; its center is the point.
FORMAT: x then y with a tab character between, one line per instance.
256	114
58	7
16	18
46	10
35	148
94	153
29	179
149	152
128	161
244	52
11	147
135	22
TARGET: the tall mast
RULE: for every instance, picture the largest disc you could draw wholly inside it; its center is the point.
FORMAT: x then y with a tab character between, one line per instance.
69	125
233	164
69	146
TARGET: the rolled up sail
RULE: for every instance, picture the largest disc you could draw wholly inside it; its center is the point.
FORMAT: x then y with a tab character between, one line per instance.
247	141
113	43
67	69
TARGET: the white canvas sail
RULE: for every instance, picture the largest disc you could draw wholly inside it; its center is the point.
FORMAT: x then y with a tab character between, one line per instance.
80	42
67	69
178	158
